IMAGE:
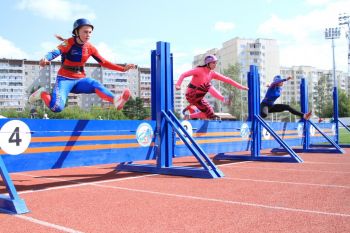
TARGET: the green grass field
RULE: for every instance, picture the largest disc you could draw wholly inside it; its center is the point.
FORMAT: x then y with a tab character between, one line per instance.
344	136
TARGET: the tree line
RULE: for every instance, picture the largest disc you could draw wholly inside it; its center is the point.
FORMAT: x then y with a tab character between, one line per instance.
324	108
133	110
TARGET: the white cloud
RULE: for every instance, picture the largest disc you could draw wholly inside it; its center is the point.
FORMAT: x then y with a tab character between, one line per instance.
180	68
198	51
317	2
132	51
302	39
224	26
9	50
58	9
106	52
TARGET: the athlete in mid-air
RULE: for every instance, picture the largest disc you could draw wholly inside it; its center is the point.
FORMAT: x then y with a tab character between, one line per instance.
71	77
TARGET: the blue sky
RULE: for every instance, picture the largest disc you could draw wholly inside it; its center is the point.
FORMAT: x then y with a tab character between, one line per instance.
126	31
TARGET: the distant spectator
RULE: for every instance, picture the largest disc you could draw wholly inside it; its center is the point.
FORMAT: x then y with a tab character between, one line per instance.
33	113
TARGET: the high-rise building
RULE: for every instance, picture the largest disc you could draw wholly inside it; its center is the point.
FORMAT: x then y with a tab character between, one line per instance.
19	78
144	86
313	76
264	53
12	84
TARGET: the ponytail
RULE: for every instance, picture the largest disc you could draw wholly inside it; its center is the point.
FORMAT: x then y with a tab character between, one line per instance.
59	37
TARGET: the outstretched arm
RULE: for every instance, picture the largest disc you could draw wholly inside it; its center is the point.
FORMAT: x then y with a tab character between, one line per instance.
63	47
216	94
110	65
183	76
280	81
50	56
229	81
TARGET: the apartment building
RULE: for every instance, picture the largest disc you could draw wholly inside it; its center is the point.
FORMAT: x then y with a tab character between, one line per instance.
12	84
180	101
19	78
144	86
264	53
291	89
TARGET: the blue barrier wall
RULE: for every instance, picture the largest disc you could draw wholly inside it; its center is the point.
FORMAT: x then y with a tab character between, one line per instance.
230	136
70	143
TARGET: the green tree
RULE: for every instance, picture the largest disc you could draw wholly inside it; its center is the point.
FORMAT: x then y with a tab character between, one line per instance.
236	107
134	109
322	98
296	105
343	104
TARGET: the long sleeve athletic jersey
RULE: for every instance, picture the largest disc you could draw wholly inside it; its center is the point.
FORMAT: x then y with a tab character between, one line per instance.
76	55
201	75
273	92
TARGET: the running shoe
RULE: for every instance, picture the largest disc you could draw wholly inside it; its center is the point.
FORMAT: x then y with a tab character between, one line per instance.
121	100
36	95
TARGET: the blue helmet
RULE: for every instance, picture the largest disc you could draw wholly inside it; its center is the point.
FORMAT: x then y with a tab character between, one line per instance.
209	58
81	22
277	78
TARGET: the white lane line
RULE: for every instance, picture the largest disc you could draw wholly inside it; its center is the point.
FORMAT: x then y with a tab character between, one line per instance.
47	224
312	162
236	163
98	184
289	182
228	201
78	184
75	183
296	170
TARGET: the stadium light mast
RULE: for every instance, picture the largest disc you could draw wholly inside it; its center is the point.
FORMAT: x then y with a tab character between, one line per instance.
344	20
334	33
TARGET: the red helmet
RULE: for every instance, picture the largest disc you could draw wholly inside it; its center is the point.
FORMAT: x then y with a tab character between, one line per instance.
209	58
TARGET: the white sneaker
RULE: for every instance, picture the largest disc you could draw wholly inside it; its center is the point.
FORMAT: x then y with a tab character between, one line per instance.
119	101
36	95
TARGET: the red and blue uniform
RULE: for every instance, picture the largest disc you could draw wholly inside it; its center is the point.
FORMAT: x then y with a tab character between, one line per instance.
71	77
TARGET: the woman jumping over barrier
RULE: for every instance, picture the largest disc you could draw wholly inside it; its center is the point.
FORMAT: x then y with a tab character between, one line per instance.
215	93
71	77
273	92
200	85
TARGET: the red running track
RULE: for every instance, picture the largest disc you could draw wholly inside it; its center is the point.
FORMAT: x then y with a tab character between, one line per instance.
313	196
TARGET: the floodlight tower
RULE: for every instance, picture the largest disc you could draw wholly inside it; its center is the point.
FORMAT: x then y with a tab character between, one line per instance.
334	33
344	20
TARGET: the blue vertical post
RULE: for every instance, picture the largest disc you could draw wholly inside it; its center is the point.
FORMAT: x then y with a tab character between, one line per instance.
253	109
163	103
153	86
307	142
256	123
336	113
305	108
167	124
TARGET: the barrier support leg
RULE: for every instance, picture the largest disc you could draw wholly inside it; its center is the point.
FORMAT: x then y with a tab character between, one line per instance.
167	124
332	147
11	203
256	123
